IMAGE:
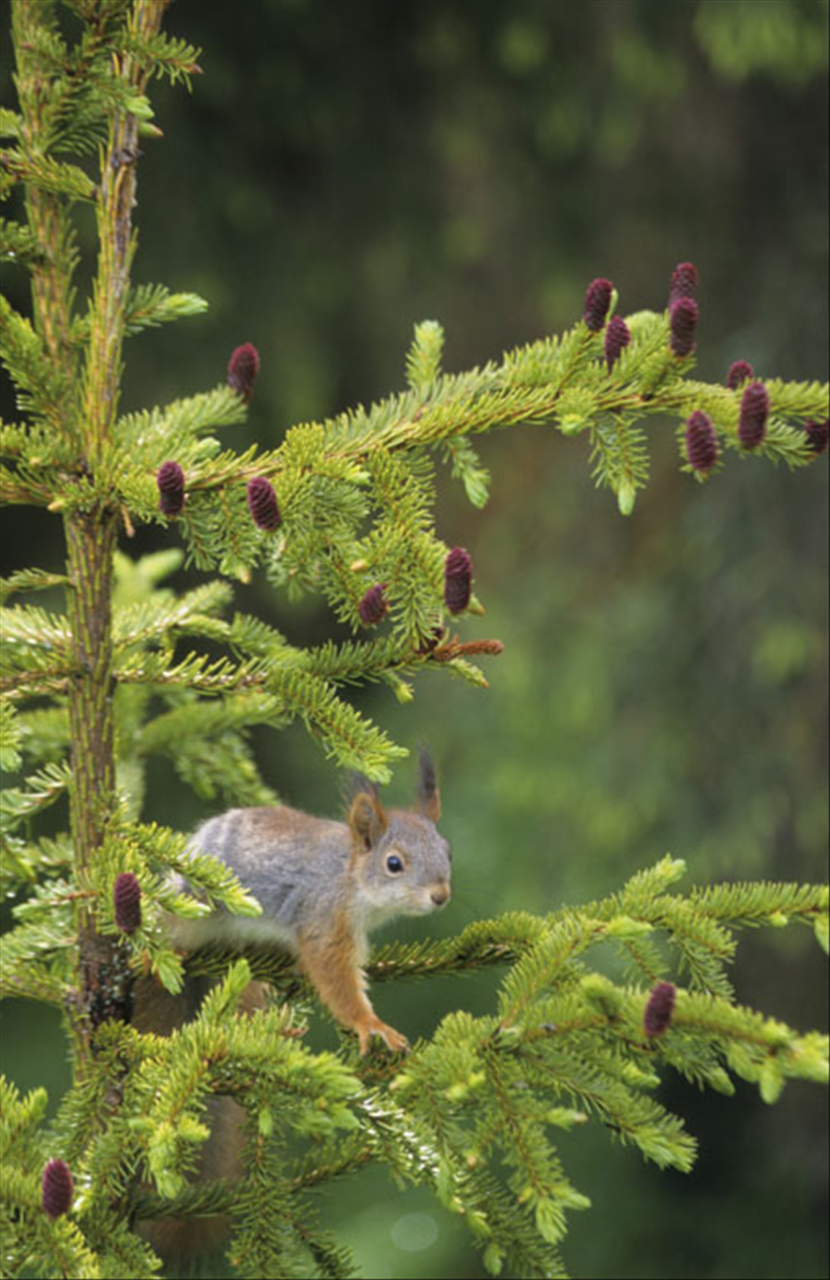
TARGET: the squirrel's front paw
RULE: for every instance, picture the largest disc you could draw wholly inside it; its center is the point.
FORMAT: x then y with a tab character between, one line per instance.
392	1038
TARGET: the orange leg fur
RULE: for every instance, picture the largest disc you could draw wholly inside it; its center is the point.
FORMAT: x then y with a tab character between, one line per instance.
331	966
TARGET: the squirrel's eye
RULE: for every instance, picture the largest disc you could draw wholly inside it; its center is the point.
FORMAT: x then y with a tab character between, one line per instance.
394	864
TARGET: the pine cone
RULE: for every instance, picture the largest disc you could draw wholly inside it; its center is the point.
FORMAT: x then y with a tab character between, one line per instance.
683	282
739	371
659	1010
597	302
617	338
263	505
126	897
170	481
56	1188
458	573
243	368
373	607
683	322
701	442
752	423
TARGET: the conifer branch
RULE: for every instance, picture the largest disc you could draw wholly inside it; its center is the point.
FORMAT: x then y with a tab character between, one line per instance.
342	507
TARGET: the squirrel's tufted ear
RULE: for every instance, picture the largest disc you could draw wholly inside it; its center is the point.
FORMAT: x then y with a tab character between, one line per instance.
429	796
366	819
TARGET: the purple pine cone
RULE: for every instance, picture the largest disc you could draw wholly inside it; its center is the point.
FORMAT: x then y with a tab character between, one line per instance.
458	574
739	371
752	423
683	322
170	481
56	1188
243	368
617	337
818	434
597	302
701	442
126	897
659	1009
683	282
263	505
373	606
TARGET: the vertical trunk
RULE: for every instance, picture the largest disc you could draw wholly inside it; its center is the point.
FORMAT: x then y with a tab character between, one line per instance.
104	980
104	985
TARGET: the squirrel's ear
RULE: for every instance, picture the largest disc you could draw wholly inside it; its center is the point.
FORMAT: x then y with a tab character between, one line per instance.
366	819
429	796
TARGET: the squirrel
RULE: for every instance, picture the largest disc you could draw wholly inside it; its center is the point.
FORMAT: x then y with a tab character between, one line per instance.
323	885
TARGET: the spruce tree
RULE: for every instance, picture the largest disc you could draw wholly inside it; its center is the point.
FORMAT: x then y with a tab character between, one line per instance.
130	670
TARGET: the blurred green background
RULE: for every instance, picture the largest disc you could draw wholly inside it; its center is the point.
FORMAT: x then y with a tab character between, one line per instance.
343	170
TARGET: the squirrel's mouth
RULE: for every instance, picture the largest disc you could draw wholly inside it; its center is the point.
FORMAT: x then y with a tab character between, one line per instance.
433	898
420	903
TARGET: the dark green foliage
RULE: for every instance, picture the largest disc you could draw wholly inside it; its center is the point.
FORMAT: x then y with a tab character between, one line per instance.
130	671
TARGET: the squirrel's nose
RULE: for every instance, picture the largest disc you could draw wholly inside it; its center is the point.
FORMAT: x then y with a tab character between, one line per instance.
440	896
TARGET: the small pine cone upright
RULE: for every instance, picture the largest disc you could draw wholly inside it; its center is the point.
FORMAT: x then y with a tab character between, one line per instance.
682	324
659	1010
373	607
617	338
701	442
683	282
597	302
752	422
56	1188
263	505
243	368
458	576
739	371
170	482
126	897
